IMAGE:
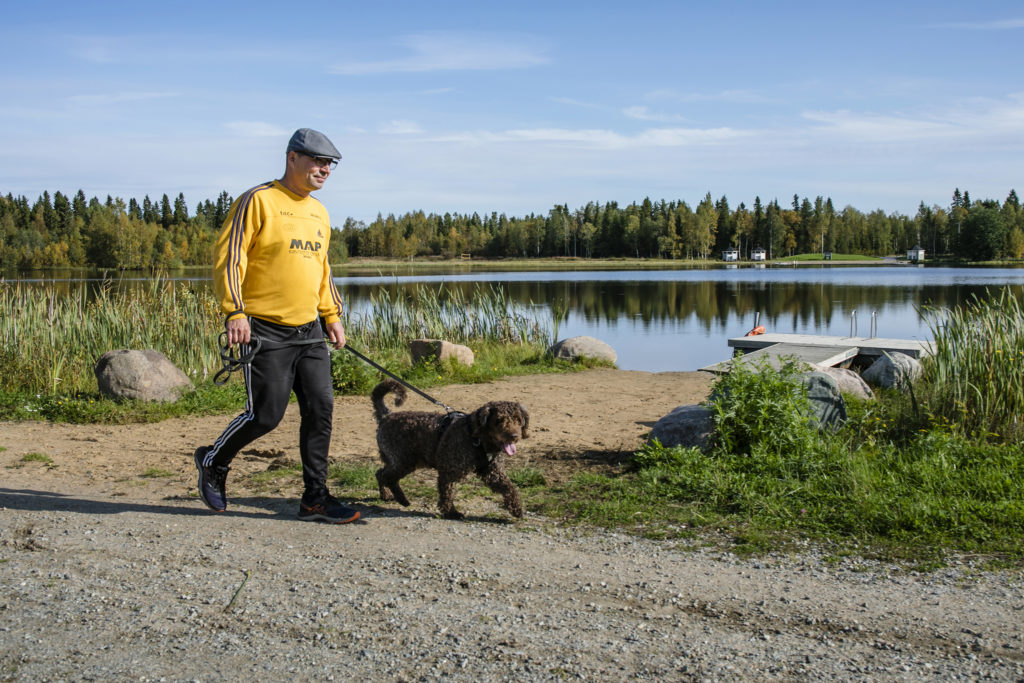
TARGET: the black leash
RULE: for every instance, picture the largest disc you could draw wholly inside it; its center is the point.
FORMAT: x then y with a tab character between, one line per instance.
398	379
234	360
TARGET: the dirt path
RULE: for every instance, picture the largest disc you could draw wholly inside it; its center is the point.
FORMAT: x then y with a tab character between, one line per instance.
107	574
585	418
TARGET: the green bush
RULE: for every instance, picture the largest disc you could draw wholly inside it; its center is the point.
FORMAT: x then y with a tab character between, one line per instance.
756	408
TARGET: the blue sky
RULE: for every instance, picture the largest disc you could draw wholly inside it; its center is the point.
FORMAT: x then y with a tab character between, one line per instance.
514	107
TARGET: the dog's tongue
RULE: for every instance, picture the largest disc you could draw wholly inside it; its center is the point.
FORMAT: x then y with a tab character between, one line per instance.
510	448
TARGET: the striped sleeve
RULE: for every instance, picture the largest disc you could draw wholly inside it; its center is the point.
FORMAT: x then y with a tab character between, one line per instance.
330	298
231	261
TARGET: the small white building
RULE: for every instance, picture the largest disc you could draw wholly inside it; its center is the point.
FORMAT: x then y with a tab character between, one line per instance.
915	253
757	255
731	255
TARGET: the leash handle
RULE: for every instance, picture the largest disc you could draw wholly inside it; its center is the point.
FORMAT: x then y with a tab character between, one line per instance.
232	360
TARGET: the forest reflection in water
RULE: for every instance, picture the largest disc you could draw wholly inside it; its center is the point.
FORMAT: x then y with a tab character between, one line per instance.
681	319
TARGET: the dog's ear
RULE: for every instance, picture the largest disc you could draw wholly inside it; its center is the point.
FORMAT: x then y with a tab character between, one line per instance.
479	418
525	416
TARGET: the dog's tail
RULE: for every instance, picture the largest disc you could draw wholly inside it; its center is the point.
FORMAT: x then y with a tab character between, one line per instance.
386	387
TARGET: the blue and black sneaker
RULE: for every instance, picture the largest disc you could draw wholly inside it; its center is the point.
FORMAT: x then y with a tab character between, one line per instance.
325	507
211	481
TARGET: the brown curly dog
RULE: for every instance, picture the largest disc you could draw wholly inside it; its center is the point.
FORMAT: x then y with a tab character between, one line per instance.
454	444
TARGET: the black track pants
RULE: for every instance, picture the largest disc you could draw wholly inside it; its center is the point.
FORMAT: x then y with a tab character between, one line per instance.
277	370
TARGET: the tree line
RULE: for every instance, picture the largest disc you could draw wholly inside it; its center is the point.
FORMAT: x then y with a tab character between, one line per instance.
59	231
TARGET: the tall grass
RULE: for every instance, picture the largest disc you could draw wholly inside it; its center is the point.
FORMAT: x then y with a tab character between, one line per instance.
49	343
973	381
487	314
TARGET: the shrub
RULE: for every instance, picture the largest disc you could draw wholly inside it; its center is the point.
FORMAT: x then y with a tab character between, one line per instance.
759	408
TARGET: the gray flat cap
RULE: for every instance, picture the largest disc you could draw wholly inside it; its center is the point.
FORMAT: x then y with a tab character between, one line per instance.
314	143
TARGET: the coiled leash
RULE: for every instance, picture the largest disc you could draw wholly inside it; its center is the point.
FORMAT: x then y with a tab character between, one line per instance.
234	360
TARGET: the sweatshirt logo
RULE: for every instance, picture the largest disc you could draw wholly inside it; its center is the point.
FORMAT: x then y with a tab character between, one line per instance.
299	245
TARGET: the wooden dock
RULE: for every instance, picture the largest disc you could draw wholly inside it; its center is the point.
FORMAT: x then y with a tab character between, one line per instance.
815	349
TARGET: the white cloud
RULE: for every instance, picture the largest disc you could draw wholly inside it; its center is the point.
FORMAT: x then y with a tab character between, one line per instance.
728	96
118	98
256	129
577	103
600	138
975	119
399	127
995	25
643	114
452	52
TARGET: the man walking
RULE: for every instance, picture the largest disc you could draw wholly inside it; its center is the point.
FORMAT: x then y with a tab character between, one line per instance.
275	288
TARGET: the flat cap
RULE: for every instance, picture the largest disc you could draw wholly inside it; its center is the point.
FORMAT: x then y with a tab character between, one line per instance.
314	143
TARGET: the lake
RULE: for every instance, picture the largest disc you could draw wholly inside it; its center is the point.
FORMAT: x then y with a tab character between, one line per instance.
681	319
659	320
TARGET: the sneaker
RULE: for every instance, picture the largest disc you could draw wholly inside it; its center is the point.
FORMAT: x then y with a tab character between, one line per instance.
328	509
211	481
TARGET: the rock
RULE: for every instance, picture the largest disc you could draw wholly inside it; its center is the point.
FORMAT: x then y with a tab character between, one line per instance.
892	370
143	375
686	426
439	350
575	348
849	382
826	399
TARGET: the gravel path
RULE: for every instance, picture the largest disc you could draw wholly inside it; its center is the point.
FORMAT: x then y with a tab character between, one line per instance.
110	569
101	590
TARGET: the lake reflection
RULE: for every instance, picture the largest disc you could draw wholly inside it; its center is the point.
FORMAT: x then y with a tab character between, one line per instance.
659	320
682	319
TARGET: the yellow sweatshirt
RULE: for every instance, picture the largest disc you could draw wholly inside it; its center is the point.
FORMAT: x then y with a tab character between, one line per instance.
271	259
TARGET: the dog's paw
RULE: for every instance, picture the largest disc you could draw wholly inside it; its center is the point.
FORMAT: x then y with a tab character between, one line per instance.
454	514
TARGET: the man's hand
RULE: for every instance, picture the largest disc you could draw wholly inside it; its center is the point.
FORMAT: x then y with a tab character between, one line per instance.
336	333
238	331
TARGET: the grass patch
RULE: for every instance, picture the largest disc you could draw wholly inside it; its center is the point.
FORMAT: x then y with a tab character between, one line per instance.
92	408
880	484
37	457
527	477
157	473
353	477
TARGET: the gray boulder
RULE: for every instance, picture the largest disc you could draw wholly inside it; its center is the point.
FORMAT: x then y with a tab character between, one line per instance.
575	348
850	383
893	370
439	350
826	400
143	375
686	426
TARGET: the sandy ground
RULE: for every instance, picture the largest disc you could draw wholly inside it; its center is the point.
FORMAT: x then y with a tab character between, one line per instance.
583	419
109	574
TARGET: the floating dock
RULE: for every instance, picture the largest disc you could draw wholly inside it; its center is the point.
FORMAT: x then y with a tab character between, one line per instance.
815	349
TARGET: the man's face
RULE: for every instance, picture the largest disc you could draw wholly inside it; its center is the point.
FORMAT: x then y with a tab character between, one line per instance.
311	172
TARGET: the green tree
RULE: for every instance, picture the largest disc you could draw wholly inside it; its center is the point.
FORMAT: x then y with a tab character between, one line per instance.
984	233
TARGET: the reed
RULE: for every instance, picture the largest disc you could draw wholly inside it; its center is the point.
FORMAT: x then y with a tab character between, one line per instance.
487	314
50	342
973	380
